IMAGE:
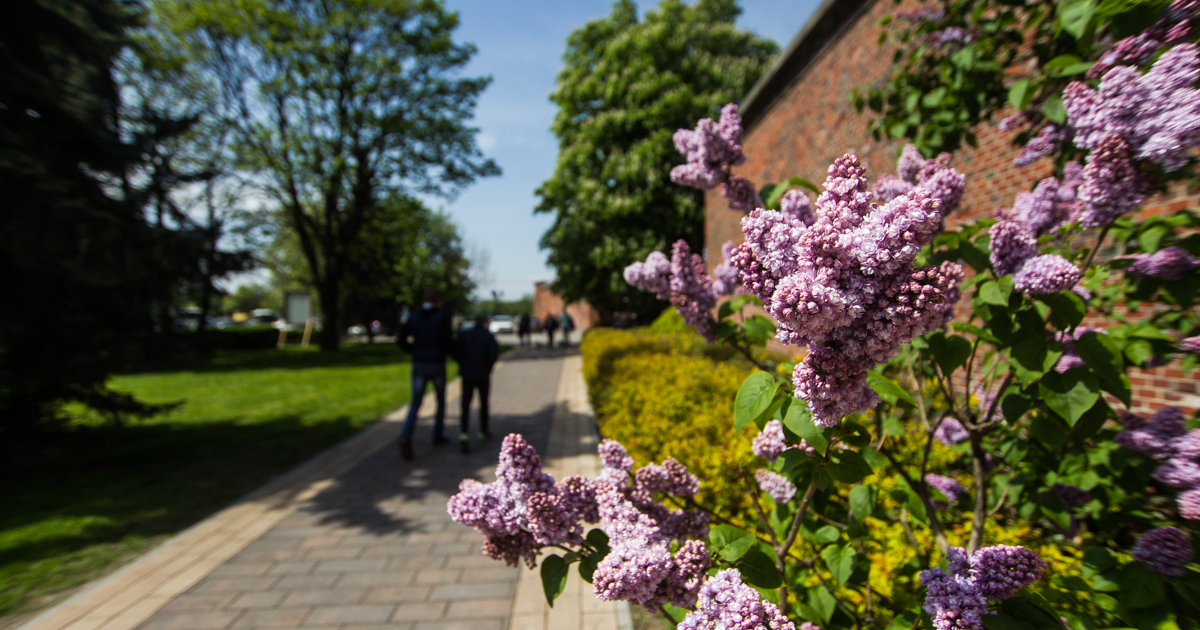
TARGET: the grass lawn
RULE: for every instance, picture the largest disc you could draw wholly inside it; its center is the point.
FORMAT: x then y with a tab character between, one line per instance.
84	502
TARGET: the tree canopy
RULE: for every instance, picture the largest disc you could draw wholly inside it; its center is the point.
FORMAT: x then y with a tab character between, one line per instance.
627	85
337	105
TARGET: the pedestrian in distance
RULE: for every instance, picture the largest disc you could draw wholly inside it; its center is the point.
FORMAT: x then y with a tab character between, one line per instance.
476	351
524	329
551	325
427	335
568	325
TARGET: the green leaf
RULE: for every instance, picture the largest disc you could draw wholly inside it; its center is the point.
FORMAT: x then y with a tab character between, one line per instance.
1102	353
915	507
729	542
848	466
758	329
753	399
825	535
862	502
1025	607
950	351
1032	357
840	560
1015	404
781	189
889	391
1066	308
822	602
554	577
997	292
1020	95
1075	15
731	306
1069	395
1140	587
587	567
1053	110
1138	351
1001	621
758	569
799	420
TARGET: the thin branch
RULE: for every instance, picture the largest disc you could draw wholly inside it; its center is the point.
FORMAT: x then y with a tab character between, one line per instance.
979	518
935	523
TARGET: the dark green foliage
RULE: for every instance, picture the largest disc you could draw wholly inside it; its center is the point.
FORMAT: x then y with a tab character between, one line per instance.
80	267
628	84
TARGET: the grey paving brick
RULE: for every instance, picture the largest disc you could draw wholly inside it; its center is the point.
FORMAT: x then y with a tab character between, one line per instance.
463	624
349	614
419	611
437	576
334	553
275	618
198	602
257	599
454	548
474	591
306	581
191	621
294	568
325	597
397	594
375	579
350	566
473	561
480	608
416	563
491	574
242	569
225	585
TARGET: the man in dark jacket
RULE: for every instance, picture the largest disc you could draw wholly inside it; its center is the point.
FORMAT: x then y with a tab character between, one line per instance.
427	335
476	351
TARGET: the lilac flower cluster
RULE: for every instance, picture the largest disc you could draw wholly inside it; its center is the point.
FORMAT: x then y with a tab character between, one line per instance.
777	486
1170	263
1047	141
950	431
725	603
947	486
684	282
1070	357
913	170
957	600
1190	344
525	509
770	443
1014	236
844	285
1167	550
1165	438
725	275
1153	116
1071	496
1177	24
711	148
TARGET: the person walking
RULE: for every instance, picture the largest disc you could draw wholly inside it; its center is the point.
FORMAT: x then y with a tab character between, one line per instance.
524	329
476	351
568	325
428	337
551	325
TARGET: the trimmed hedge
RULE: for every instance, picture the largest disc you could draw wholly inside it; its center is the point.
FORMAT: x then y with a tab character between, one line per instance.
670	394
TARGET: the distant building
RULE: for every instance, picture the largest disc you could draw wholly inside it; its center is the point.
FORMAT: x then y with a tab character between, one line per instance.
547	302
798	118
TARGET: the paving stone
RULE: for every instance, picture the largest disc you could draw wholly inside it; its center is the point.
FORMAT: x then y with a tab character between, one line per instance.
491	574
474	591
191	621
242	569
276	618
419	611
257	599
479	608
375	579
349	614
437	576
336	596
462	624
306	581
397	594
349	566
334	553
198	602
225	585
293	568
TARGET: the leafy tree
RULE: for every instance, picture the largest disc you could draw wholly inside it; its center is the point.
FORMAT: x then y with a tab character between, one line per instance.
246	298
338	105
627	85
80	266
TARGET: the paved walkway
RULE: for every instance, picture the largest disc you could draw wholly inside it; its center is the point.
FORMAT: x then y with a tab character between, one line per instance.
356	539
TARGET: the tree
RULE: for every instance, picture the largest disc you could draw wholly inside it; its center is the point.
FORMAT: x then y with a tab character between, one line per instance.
339	104
80	267
627	85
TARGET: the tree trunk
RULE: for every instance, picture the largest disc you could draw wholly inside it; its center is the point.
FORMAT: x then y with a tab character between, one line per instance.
331	315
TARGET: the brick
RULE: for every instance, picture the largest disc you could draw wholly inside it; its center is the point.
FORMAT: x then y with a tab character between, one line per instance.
467	591
337	596
275	618
437	576
191	621
502	574
306	581
375	579
397	594
472	624
293	568
348	566
419	611
198	602
479	608
257	599
223	585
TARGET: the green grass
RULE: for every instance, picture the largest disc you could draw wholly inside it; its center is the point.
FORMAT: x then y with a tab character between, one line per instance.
79	503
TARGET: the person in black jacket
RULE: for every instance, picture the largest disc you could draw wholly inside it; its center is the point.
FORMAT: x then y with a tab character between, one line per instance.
428	336
476	351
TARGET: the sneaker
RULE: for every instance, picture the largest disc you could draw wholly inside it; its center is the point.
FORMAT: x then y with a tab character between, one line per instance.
483	436
405	449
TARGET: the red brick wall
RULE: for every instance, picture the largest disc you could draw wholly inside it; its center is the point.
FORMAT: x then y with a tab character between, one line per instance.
547	302
813	122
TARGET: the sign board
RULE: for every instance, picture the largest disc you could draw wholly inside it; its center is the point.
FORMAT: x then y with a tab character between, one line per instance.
297	307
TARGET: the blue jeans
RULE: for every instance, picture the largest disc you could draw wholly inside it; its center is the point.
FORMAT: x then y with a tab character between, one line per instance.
422	374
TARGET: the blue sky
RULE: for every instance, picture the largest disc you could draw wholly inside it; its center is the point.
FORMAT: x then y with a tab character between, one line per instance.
521	44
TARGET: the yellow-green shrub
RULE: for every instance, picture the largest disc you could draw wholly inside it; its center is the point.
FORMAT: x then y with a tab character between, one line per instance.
671	395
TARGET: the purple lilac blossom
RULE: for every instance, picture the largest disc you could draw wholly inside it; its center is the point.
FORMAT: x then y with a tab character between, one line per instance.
709	149
1189	504
1170	263
1070	357
1167	550
1012	244
741	194
950	431
845	286
1179	472
725	603
1040	210
770	442
888	187
692	292
1176	24
652	276
1071	496
725	275
947	486
1014	121
639	557
1155	437
946	184
1046	142
777	486
1112	186
797	205
1049	273
1157	114
957	600
1187	445
1190	344
689	568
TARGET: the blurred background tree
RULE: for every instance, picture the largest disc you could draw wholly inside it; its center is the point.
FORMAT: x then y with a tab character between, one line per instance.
337	106
627	85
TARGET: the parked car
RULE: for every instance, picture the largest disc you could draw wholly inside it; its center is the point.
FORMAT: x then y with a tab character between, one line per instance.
501	324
